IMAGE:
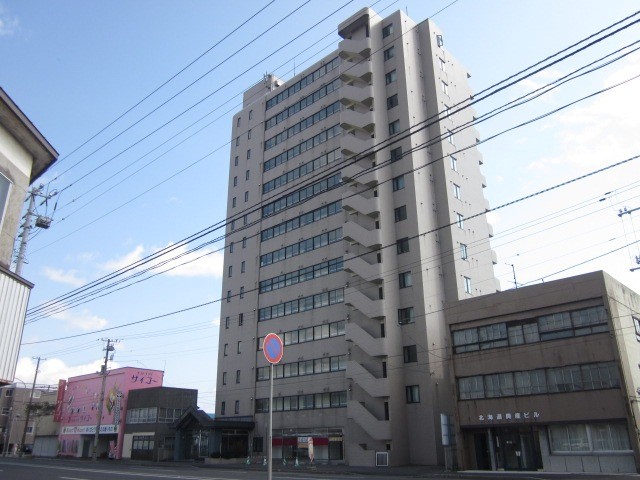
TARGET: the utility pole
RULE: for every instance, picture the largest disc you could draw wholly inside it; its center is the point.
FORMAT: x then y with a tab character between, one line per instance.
28	413
513	268
41	222
625	211
108	348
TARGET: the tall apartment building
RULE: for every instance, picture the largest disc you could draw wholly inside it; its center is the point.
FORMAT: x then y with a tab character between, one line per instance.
347	236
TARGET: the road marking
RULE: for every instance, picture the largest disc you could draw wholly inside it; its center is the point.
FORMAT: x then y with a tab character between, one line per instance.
74	478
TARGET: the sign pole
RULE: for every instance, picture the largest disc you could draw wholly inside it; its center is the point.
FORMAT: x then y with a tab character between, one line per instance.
270	445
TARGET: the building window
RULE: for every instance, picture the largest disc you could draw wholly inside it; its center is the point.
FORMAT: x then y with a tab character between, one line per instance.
400	213
394	127
226	345
239	346
442	64
236	409
224	378
398	183
238	121
405	315
8	392
228	296
456	191
450	138
439	40
410	354
249	134
596	437
396	154
222	407
235	181
233	202
388	30
243	267
402	246
237	376
246	175
392	101
413	393
389	53
405	279
235	161
5	187
454	163
241	292
636	324
230	272
470	387
249	154
142	442
444	87
467	284
230	247
237	141
246	197
5	410
390	77
258	443
463	251
244	242
447	110
226	323
250	114
460	220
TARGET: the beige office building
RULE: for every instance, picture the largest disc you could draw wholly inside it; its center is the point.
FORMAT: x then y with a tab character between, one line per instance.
352	195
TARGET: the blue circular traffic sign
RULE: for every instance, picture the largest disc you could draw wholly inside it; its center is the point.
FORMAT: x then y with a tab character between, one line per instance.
273	348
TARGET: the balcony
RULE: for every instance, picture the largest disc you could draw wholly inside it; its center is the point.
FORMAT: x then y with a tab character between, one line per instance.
355	203
374	347
353	145
377	429
353	120
354	233
350	95
359	301
356	72
362	175
355	50
362	268
375	387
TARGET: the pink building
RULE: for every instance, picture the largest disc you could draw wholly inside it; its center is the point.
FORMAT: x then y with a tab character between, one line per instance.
77	410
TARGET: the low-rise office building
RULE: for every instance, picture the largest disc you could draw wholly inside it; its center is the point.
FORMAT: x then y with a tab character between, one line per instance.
149	432
547	377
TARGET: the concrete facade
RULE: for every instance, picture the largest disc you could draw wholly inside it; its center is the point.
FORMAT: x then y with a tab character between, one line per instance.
13	405
346	237
149	432
24	156
547	377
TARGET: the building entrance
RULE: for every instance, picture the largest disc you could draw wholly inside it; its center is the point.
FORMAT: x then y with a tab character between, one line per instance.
508	448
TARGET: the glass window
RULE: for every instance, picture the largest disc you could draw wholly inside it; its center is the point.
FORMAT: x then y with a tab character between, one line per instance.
413	393
467	284
5	187
390	77
471	387
456	191
460	220
454	163
463	251
445	87
392	101
389	53
388	30
400	213
405	279
530	383
569	438
499	385
394	127
402	245
396	154
398	183
405	315
564	379
410	354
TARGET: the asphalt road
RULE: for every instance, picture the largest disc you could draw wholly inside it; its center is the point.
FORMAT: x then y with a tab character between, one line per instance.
57	469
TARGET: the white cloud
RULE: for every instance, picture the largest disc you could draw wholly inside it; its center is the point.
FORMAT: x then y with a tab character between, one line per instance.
83	319
602	131
202	263
216	322
124	261
69	277
8	24
53	369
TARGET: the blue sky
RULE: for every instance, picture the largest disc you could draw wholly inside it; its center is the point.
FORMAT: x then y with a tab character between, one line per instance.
74	67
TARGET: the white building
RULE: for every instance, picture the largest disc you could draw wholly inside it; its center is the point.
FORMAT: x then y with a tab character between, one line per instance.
347	236
24	156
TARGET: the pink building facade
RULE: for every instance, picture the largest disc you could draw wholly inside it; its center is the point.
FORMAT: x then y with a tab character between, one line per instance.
77	410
